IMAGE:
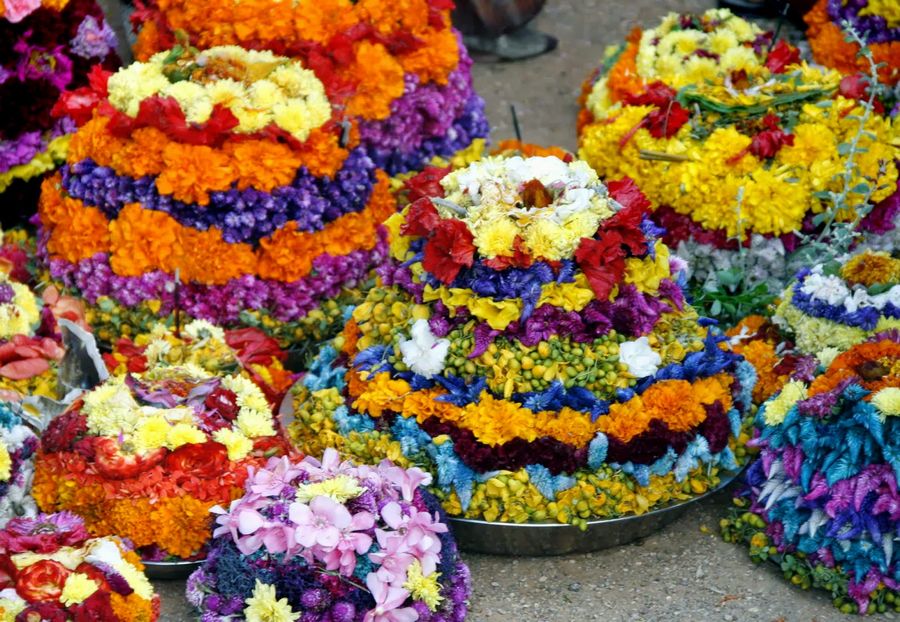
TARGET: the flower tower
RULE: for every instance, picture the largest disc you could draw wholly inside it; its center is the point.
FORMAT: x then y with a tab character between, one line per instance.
739	146
146	453
48	48
332	541
399	69
822	497
530	344
214	185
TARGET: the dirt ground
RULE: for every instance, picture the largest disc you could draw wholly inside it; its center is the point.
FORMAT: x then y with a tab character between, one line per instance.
684	572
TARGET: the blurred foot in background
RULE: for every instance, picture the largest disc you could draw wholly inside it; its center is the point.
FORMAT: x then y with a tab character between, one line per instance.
498	29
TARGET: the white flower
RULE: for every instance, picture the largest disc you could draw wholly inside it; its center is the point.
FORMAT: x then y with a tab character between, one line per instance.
859	298
829	288
642	360
424	353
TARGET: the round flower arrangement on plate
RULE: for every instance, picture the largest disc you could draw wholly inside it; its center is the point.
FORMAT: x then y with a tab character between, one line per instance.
146	455
738	146
330	541
399	69
830	307
876	21
822	498
48	48
216	185
530	346
216	351
18	444
52	569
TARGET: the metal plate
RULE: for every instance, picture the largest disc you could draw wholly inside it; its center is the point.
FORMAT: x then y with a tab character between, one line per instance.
170	570
543	539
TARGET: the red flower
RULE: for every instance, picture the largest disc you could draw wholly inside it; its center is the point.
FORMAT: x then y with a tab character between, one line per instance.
203	460
42	581
224	402
165	114
426	184
603	263
421	218
96	608
8	572
519	259
626	192
769	142
63	431
254	347
111	463
449	249
665	122
782	55
43	612
80	103
855	86
657	94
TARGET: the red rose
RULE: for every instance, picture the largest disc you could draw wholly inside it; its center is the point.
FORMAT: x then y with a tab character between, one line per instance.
111	463
42	581
224	402
449	249
421	219
63	431
202	460
782	55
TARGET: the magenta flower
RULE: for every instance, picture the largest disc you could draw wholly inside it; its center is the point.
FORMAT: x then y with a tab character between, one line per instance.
350	544
320	523
270	481
417	532
243	522
387	602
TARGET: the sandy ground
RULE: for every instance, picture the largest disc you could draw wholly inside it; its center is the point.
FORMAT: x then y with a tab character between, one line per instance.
684	572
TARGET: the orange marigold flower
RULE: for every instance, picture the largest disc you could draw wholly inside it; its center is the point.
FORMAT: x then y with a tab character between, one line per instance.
93	141
263	164
379	80
529	150
207	258
131	608
142	240
85	232
623	78
398	15
871	365
382	393
351	334
676	402
871	268
142	154
190	172
436	59
322	153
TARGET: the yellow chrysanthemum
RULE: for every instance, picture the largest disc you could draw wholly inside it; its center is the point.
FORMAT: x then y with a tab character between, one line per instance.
184	434
426	589
887	401
264	606
77	589
340	488
777	408
237	444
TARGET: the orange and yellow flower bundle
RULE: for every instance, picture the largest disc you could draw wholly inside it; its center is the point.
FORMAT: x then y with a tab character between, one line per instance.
876	21
215	184
146	455
397	67
737	143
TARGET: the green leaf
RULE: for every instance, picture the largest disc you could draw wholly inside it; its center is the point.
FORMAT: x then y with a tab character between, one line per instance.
715	308
860	188
173	55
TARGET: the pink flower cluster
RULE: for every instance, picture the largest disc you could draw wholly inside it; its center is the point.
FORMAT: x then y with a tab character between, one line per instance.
330	513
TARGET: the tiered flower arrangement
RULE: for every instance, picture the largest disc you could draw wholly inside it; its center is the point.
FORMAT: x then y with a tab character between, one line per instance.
400	69
48	47
146	455
878	21
52	569
216	351
331	541
831	307
530	344
739	148
18	444
215	185
822	498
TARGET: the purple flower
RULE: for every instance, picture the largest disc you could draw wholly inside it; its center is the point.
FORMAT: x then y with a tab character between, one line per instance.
94	39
